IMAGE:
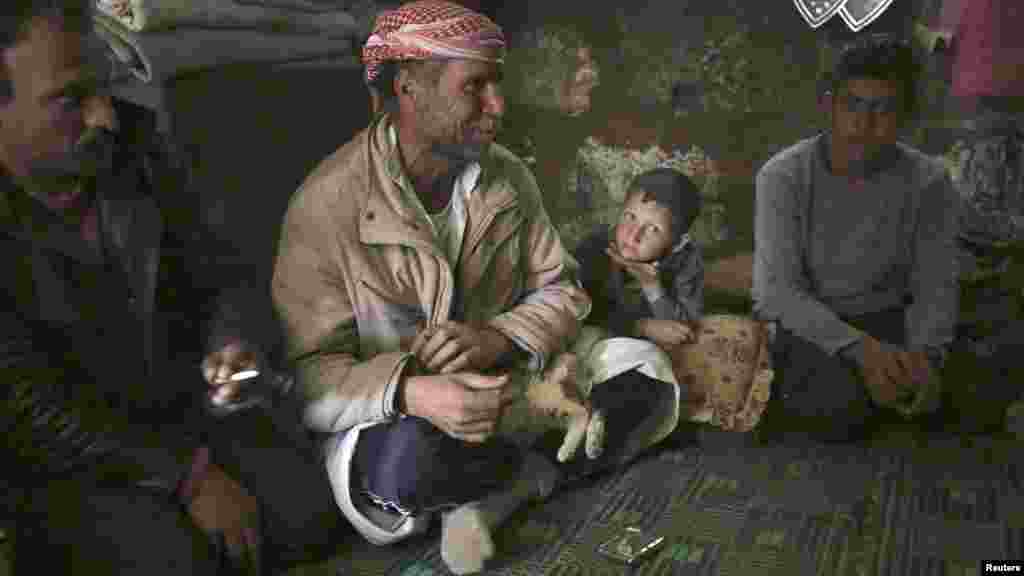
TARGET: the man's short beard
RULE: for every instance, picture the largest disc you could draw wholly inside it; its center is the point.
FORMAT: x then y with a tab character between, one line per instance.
52	176
875	159
90	156
437	127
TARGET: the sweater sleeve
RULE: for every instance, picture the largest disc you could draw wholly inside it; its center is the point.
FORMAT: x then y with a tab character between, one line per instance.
782	288
931	318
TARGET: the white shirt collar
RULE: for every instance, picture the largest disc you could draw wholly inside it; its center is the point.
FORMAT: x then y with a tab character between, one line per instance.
464	185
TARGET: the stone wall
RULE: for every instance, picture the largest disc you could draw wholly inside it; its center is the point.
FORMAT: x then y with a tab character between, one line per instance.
699	79
730	82
733	79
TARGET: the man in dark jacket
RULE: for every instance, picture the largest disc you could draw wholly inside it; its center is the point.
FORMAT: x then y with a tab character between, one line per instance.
111	460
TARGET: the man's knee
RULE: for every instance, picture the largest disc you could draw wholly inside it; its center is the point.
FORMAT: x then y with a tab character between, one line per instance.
822	392
401	461
835	423
411	464
130	530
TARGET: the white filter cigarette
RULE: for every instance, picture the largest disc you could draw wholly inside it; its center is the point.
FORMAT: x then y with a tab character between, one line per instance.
244	375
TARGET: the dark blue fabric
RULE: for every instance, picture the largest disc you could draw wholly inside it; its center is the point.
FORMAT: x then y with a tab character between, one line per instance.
414	465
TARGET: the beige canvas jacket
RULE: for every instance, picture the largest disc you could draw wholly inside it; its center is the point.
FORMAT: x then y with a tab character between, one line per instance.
358	274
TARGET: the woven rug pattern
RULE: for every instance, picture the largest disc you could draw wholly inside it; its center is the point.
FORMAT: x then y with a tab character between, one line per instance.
786	510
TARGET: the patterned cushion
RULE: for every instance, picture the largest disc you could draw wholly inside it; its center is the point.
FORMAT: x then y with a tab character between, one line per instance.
727	370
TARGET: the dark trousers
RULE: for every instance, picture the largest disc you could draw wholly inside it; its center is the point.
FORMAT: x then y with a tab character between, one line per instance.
96	528
281	465
628	401
75	528
985	365
413	466
821	395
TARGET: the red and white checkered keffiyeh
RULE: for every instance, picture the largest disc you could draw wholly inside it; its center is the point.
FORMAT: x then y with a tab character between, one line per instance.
432	29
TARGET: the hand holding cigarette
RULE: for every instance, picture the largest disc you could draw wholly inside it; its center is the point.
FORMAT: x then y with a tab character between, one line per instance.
229	369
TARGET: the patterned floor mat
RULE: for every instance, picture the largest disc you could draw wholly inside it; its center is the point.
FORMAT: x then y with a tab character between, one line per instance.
810	510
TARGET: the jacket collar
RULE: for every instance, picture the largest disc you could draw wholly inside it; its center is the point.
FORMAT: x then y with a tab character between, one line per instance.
478	176
387	217
390	214
466	181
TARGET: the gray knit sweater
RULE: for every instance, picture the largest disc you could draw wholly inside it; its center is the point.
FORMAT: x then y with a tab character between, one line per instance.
826	249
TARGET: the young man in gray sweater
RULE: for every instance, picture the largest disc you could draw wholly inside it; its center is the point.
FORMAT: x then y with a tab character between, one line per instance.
855	262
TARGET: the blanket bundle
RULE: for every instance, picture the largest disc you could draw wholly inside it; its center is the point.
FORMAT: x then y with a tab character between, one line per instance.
151	57
152	39
158	15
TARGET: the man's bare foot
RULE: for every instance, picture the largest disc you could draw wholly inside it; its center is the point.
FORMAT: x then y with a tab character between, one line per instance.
466	542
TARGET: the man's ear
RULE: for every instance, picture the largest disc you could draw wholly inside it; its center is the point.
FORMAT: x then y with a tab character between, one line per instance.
405	82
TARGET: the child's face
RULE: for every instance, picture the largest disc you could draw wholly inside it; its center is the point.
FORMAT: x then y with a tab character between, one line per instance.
644	231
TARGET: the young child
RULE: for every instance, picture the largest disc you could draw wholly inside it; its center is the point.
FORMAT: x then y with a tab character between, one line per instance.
645	278
645	275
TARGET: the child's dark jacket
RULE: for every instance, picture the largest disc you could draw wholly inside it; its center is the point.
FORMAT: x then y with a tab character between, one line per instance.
682	278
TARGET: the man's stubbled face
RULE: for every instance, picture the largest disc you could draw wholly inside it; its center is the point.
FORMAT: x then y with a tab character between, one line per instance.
41	124
866	116
644	230
44	119
462	114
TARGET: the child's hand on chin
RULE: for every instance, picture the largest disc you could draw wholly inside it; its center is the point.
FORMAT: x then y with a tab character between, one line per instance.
664	333
646	273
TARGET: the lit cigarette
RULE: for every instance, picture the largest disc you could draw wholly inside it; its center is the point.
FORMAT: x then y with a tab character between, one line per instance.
220	397
244	375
